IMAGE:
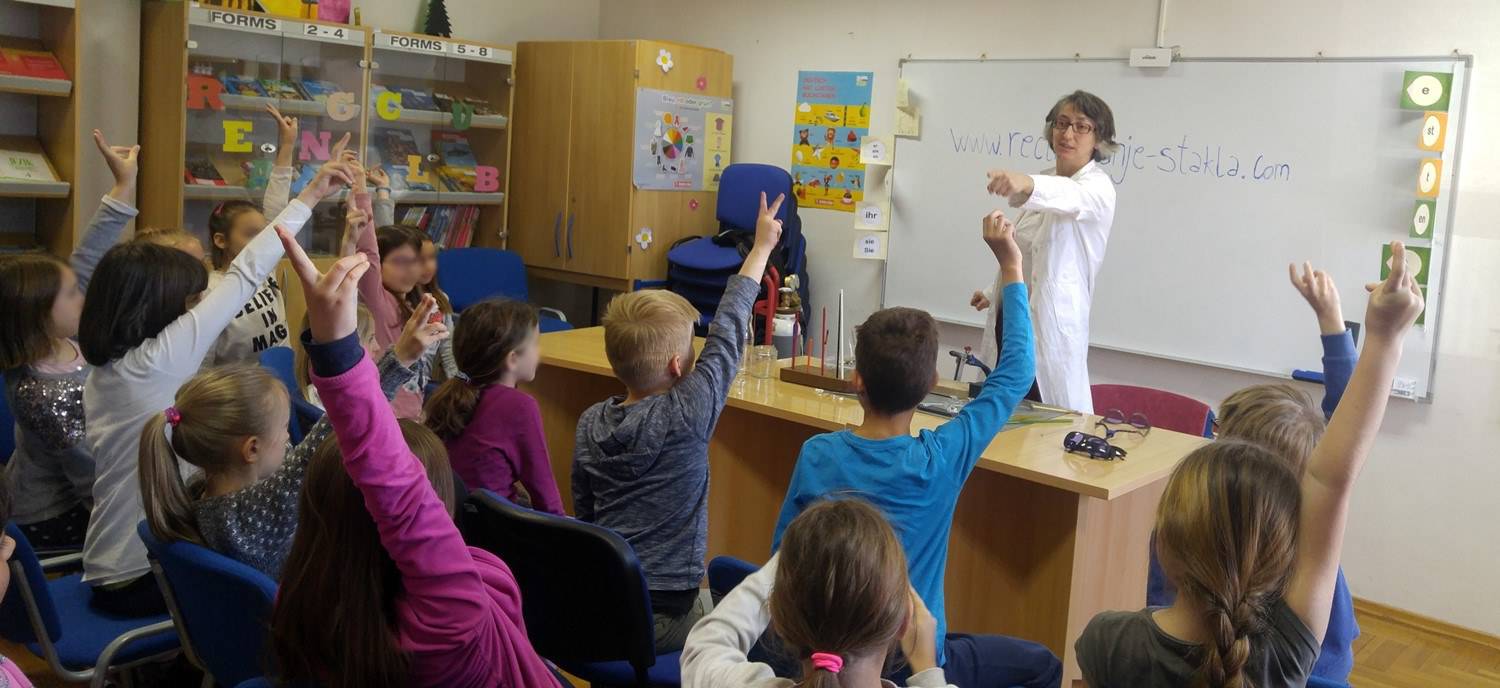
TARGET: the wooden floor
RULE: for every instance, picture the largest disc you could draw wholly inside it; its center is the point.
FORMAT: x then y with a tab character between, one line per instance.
1387	655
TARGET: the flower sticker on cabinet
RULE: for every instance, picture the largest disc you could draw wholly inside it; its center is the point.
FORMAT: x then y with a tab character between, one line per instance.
664	60
643	238
701	83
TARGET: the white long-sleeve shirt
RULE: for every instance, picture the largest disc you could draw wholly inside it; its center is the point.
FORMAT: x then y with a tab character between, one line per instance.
717	650
122	394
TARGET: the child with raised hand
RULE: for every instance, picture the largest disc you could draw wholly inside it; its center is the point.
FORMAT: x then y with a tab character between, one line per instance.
916	480
231	422
430	610
150	323
51	473
261	323
493	430
1252	547
837	595
640	463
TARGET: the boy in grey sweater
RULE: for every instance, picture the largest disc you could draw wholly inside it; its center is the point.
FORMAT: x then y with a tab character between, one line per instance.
640	462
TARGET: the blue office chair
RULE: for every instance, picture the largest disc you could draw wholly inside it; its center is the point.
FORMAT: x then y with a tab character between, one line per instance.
281	360
222	608
7	427
471	275
53	619
699	267
570	570
1315	682
724	573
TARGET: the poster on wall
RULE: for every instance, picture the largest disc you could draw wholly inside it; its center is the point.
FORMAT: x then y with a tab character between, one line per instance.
681	140
832	116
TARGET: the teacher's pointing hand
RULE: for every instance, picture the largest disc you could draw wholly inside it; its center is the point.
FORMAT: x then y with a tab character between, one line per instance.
1014	186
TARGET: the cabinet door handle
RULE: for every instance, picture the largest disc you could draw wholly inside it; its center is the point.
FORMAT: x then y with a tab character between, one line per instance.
557	235
571	218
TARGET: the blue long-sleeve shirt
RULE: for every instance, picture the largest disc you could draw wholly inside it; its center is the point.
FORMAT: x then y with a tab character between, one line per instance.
1336	658
915	481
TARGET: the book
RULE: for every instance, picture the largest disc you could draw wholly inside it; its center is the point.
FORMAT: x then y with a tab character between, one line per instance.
281	89
318	89
457	166
443	101
393	147
39	64
480	105
200	170
414	99
22	164
242	85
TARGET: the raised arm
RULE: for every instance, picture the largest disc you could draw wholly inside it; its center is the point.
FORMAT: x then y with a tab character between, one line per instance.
279	184
384	205
115	210
708	383
1339	355
1338	458
972	430
1090	198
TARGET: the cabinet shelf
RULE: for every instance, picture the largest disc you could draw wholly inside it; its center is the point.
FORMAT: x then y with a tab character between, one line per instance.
30	85
288	107
65	4
445	119
14	188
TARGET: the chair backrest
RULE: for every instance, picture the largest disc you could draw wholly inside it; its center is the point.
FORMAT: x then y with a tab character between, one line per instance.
1315	682
27	578
1167	410
282	361
724	573
739	199
222	607
582	590
7	426
471	275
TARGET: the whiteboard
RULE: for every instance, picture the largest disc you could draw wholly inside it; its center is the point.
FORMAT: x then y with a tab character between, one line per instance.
1229	170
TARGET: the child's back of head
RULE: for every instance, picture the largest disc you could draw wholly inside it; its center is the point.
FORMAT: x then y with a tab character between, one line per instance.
1279	417
328	625
173	237
1226	533
29	286
896	358
138	289
487	336
841	585
643	331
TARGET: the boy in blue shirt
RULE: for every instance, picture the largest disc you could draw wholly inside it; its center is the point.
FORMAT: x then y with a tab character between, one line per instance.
916	481
1284	419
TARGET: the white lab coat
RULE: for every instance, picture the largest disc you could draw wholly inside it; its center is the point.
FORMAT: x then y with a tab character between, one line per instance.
1062	232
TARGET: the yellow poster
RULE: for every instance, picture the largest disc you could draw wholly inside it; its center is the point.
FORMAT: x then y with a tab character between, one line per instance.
832	116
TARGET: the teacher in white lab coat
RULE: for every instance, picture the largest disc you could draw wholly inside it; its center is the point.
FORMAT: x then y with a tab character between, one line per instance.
1066	213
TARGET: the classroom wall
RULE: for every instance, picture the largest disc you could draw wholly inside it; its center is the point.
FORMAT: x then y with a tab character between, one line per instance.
494	21
1422	534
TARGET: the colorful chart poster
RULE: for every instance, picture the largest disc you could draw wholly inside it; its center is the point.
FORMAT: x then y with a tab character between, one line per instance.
681	140
832	116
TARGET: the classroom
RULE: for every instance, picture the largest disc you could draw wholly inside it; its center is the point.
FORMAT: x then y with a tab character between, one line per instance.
645	343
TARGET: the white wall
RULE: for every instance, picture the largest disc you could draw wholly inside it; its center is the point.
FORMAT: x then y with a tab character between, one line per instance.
1423	534
494	21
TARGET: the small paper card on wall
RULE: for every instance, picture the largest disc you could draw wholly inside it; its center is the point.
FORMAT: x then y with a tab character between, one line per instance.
908	123
876	150
903	94
1434	131
869	245
1426	91
1422	219
874	215
1429	178
1417	259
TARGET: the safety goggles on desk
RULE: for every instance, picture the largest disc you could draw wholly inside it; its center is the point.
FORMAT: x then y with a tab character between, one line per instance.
1078	442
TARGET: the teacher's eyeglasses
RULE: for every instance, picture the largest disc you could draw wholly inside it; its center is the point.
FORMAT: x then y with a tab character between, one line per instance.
1083	128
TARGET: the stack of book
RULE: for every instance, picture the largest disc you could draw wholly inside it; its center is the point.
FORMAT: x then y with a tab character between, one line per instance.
450	226
38	64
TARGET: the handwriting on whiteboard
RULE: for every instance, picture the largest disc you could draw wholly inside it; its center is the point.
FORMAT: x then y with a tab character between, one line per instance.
1184	158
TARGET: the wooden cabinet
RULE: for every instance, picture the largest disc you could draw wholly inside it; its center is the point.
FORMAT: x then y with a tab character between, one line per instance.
574	211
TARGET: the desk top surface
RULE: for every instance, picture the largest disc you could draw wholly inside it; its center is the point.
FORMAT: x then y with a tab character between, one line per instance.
1032	452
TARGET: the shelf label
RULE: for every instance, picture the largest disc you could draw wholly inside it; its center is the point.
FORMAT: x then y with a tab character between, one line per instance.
471	51
263	24
413	44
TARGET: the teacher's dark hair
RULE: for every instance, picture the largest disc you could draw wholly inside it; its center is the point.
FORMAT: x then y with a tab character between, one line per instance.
1094	108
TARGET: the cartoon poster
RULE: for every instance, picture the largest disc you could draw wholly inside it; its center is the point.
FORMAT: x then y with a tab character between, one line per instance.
681	140
832	116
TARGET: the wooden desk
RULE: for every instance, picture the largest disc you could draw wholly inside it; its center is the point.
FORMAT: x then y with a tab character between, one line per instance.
1042	539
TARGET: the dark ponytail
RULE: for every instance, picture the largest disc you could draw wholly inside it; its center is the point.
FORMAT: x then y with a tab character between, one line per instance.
486	335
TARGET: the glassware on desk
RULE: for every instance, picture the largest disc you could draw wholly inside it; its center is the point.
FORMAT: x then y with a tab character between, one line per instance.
763	361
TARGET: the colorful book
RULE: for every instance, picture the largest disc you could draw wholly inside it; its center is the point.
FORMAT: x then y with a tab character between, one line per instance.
414	99
33	63
281	89
480	105
28	165
201	171
318	89
242	85
457	166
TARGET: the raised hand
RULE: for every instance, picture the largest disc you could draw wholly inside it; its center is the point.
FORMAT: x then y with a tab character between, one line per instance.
332	297
1394	303
286	135
331	177
1014	186
420	333
340	147
377	176
979	301
767	227
1000	235
1318	288
123	166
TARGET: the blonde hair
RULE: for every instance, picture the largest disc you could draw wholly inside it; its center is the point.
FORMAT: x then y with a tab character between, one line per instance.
643	330
216	409
1226	535
1279	417
364	327
172	237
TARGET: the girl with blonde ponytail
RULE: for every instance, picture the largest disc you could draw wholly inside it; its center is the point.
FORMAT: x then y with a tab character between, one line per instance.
230	423
1253	548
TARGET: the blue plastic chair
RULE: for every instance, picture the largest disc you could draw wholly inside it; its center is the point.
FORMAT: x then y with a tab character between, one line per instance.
471	275
570	570
1315	682
53	619
282	361
7	426
222	608
724	573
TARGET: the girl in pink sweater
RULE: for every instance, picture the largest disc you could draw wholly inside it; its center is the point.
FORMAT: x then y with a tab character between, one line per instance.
379	588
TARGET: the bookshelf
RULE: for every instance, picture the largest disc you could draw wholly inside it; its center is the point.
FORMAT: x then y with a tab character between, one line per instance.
215	70
39	141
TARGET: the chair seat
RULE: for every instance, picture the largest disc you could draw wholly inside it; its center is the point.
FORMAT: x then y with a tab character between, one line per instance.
546	324
666	672
704	254
90	630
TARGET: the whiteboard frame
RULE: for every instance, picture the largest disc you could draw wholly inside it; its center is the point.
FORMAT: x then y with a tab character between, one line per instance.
1467	59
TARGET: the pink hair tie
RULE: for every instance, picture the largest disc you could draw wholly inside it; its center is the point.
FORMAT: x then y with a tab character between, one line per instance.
830	663
173	415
